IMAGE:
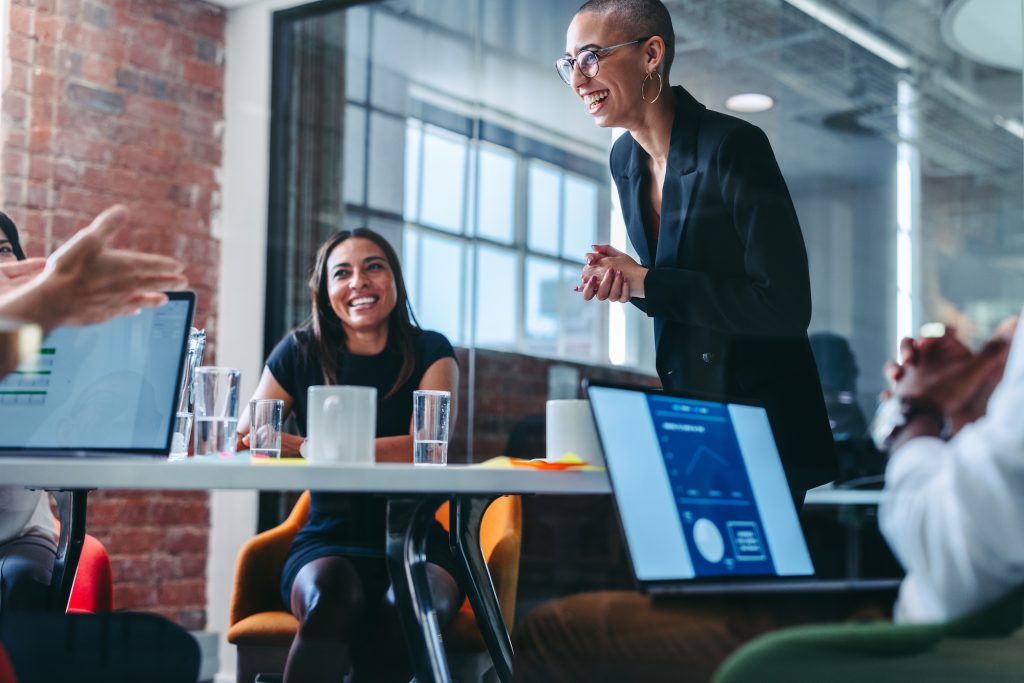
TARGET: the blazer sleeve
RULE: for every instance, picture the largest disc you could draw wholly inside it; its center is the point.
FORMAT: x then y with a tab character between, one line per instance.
773	297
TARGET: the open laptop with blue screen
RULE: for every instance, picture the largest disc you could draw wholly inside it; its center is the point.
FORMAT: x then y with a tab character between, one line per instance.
100	390
701	494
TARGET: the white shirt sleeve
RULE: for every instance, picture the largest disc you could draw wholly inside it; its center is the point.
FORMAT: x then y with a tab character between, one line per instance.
24	512
953	511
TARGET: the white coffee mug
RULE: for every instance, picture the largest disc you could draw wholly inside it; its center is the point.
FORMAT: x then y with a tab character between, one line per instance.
341	424
570	429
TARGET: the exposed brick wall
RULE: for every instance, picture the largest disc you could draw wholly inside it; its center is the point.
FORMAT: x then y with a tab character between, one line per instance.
121	101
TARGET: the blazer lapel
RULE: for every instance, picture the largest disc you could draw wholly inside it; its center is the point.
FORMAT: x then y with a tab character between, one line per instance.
681	178
634	216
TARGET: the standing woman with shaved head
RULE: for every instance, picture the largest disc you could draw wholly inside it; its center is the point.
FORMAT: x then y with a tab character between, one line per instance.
723	272
723	268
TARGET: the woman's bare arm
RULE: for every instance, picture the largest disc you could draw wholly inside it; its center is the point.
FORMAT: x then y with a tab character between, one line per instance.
270	388
443	375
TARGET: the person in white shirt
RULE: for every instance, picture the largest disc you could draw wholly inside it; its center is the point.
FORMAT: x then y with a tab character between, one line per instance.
28	535
84	281
953	509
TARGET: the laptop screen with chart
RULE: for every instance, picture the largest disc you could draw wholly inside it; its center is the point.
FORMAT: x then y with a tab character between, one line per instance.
109	388
700	490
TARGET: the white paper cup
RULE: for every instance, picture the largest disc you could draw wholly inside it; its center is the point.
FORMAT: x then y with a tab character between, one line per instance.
341	424
570	429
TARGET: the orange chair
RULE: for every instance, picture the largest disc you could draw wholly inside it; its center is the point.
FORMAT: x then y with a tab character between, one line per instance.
263	629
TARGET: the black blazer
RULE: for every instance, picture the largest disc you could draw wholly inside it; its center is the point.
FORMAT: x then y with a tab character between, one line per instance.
728	285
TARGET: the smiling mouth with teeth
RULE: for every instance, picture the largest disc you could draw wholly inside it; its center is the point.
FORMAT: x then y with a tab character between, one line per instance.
362	301
593	99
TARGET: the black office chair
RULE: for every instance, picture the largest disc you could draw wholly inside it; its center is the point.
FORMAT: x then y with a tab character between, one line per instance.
113	647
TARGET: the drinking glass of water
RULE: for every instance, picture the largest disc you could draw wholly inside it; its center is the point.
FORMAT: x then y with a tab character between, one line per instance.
265	416
430	410
215	396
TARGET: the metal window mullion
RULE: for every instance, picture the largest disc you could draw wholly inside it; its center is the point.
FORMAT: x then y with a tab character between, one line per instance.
560	344
520	240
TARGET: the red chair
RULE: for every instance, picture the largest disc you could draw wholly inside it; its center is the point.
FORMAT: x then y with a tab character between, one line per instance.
93	589
6	670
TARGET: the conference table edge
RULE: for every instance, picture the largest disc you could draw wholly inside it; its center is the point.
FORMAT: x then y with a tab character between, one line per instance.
225	474
143	473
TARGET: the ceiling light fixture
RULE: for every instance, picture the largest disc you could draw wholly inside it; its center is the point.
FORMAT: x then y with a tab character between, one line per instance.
848	28
1011	126
987	32
749	103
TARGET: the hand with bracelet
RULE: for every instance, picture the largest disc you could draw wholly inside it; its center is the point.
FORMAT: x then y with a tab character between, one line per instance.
940	385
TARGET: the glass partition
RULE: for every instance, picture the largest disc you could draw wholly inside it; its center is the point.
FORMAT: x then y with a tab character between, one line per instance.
897	128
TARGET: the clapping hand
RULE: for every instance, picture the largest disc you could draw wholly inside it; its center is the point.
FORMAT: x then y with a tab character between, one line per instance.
88	281
945	373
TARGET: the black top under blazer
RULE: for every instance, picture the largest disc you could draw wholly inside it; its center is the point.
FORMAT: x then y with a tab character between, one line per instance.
728	285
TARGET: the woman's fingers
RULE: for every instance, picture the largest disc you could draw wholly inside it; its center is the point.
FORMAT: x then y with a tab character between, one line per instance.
908	351
893	371
604	289
606	250
615	292
590	288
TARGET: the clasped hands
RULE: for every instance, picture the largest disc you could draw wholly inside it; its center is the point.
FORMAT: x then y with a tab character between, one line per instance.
611	275
948	376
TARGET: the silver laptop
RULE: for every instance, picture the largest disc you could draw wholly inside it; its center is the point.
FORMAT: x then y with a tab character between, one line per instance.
100	390
702	496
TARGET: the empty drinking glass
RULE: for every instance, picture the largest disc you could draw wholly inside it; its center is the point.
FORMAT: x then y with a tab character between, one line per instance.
265	427
430	410
215	393
183	414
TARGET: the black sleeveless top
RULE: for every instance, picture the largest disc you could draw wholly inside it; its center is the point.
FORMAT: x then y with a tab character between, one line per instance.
354	521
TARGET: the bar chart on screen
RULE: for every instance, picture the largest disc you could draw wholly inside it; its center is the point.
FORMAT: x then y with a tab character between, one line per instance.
29	384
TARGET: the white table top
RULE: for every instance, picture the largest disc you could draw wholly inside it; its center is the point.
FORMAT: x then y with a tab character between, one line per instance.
238	472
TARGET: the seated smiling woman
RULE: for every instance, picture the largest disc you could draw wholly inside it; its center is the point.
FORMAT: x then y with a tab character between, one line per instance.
361	332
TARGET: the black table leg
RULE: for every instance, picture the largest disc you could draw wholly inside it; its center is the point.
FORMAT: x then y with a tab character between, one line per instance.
409	521
71	510
467	513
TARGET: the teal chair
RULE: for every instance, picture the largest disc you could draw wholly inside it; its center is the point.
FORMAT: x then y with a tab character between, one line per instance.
987	645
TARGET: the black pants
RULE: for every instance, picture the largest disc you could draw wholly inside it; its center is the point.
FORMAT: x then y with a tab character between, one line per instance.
26	564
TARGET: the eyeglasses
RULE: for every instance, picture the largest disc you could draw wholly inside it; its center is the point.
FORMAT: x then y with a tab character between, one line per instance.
588	60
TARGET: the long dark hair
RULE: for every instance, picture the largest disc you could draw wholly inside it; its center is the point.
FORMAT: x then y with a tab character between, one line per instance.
11	232
327	330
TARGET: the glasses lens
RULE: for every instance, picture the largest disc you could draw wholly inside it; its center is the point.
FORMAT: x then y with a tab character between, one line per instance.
564	67
588	63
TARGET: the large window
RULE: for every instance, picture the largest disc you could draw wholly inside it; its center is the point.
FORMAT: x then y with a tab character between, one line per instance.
515	262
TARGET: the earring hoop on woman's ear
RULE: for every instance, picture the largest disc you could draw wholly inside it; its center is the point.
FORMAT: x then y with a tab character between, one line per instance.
643	87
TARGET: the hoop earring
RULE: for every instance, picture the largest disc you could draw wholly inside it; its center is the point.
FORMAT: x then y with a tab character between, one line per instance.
643	87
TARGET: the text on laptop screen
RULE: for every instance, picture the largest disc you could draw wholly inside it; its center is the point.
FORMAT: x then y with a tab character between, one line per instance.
106	386
700	488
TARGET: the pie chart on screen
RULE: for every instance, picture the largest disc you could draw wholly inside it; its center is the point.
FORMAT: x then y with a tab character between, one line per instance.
708	540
